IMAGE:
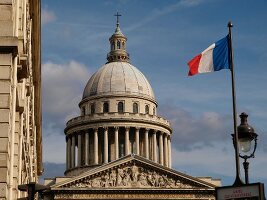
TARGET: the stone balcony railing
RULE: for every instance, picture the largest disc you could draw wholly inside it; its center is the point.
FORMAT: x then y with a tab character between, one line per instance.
119	116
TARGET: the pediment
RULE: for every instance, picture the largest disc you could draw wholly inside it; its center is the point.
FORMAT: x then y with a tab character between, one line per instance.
133	172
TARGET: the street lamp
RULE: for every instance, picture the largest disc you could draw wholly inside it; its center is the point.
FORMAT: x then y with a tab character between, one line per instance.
246	139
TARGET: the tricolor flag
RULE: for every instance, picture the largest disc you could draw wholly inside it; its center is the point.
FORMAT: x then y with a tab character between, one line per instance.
214	58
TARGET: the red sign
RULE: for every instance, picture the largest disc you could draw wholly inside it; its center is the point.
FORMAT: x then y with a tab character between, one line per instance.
250	191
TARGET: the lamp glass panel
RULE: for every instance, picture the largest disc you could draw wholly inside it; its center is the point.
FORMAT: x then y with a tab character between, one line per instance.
244	145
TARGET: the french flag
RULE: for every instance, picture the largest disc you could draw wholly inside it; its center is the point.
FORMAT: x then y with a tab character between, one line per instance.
214	58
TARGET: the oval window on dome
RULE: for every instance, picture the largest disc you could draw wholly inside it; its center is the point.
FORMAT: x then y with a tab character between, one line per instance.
120	107
147	109
105	107
135	108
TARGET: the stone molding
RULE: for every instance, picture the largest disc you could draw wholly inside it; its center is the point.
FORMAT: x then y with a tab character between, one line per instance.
96	120
143	195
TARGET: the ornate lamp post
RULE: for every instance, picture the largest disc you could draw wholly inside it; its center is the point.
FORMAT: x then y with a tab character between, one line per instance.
246	139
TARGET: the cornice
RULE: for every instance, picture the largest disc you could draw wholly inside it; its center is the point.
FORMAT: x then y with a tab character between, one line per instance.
93	120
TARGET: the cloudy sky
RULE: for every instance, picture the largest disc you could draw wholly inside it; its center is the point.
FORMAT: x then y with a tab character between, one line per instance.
162	37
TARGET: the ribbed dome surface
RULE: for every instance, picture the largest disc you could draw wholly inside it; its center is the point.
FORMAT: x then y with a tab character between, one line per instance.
118	78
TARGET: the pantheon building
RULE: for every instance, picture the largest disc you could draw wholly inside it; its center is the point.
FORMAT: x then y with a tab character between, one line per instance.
119	148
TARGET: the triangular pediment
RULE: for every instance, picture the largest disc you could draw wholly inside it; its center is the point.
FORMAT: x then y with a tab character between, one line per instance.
133	172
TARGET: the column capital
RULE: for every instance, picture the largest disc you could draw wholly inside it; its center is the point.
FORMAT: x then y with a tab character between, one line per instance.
116	128
127	128
162	133
137	128
153	130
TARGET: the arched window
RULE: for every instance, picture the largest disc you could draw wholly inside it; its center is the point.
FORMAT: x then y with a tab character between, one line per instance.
147	109
105	107
83	110
123	45
135	108
120	107
92	108
154	110
118	44
113	46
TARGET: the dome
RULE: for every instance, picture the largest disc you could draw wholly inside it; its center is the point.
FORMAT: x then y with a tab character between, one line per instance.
118	78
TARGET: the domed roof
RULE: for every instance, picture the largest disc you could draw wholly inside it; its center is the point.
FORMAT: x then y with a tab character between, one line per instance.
118	78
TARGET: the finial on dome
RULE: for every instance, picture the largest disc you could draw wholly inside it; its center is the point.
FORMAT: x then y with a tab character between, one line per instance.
118	15
118	45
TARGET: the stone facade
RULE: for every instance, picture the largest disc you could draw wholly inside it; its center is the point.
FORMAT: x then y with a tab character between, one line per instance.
20	100
118	116
119	148
131	177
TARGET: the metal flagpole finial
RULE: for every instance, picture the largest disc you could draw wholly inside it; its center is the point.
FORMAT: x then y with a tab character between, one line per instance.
230	24
117	15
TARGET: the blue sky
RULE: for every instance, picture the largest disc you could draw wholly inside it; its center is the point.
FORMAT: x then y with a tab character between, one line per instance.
162	37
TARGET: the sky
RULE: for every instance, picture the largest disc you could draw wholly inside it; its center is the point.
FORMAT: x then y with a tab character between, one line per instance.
162	37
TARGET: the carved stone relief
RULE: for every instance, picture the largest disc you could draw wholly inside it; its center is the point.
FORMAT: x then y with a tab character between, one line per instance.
129	177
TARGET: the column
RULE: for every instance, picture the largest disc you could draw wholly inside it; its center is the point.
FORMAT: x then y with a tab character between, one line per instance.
116	143
170	151
106	145
165	150
86	148
79	150
96	146
69	152
137	141
155	158
160	149
146	143
73	151
127	141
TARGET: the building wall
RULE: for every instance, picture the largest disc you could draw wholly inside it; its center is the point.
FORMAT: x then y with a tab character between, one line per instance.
20	99
113	101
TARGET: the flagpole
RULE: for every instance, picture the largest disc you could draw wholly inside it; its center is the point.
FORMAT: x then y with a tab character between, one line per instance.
238	180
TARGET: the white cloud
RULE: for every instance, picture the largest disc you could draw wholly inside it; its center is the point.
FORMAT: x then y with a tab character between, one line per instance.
191	132
62	90
62	86
47	16
217	161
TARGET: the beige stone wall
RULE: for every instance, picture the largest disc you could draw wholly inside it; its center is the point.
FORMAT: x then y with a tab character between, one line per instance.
19	86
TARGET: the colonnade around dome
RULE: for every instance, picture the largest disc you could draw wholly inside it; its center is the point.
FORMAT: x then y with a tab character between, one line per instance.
96	146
